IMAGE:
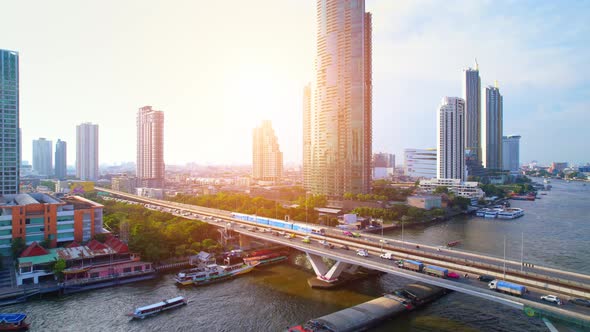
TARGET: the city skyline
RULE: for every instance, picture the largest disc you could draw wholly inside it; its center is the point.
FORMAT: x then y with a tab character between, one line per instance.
522	62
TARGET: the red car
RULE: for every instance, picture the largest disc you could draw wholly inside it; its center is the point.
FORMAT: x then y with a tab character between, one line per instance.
453	275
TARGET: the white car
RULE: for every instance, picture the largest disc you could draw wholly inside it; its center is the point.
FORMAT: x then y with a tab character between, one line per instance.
551	298
383	241
362	253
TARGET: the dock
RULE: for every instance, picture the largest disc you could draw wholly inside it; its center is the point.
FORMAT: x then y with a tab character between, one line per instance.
369	314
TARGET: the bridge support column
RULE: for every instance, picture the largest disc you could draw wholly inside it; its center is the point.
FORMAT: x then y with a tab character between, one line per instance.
321	270
245	241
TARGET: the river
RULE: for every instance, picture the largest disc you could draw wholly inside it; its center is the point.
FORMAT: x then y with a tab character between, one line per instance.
555	229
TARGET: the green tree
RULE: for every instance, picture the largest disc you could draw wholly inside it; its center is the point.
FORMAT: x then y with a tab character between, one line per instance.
441	190
17	246
58	267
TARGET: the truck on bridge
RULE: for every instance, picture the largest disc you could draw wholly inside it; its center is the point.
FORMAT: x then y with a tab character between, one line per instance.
409	264
436	271
507	287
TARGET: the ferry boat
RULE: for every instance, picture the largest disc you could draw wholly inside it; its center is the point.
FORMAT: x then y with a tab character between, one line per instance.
511	213
214	273
185	277
152	309
13	322
491	213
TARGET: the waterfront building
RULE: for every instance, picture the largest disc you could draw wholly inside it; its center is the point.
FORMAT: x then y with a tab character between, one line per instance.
43	157
511	153
61	161
87	151
10	138
383	165
307	122
84	264
124	183
472	97
341	119
36	217
451	139
467	189
150	148
420	163
557	167
493	128
426	202
267	158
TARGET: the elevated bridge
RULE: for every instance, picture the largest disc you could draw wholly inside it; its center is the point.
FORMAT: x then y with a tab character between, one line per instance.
539	280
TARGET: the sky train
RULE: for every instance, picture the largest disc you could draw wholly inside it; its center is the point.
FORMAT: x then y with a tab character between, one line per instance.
294	226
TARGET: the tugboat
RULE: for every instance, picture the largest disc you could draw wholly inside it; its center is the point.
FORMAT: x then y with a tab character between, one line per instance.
152	309
13	322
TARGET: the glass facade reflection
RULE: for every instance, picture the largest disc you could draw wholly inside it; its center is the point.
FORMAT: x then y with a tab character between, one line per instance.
340	121
9	122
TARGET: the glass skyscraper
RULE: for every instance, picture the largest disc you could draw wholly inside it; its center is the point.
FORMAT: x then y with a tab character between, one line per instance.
9	123
340	121
493	129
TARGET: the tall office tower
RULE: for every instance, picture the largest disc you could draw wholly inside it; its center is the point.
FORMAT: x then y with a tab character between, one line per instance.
43	157
150	148
511	153
267	163
307	97
492	145
341	124
420	163
61	160
9	123
87	151
472	97
450	155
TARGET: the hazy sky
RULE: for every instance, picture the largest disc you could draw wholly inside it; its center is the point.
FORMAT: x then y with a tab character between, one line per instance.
218	68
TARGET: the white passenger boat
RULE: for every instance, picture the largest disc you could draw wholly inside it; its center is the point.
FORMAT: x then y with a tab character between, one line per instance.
152	309
511	213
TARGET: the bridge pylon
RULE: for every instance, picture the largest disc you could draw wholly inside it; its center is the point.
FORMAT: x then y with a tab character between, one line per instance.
321	270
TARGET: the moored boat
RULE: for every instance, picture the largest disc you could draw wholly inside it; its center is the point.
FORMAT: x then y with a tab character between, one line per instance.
152	309
214	273
13	322
185	277
511	213
265	259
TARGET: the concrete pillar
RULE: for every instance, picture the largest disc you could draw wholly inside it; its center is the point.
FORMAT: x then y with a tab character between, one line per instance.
321	270
335	271
245	241
318	265
352	269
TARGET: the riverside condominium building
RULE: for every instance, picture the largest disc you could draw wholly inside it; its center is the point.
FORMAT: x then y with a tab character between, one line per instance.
87	151
37	217
340	121
150	148
492	145
451	139
267	158
9	122
472	97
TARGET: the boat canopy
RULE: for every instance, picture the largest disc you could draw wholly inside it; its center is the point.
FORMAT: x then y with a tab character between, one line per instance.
12	318
160	304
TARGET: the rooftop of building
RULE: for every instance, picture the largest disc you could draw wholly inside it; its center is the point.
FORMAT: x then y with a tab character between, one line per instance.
26	199
80	202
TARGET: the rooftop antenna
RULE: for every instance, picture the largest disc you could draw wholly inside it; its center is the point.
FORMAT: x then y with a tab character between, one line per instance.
476	64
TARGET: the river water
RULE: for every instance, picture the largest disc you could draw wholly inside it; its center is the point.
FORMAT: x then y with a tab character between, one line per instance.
555	229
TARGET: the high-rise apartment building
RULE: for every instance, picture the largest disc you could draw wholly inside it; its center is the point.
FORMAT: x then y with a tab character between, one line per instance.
492	145
451	139
420	163
307	157
267	163
472	97
9	123
43	157
511	153
87	151
150	148
340	121
61	160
